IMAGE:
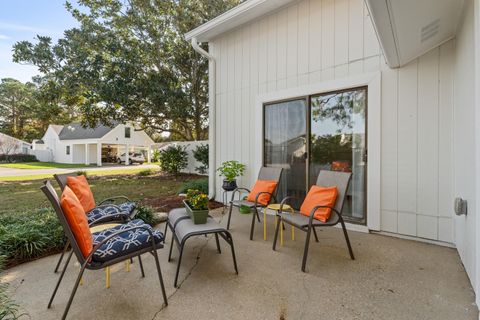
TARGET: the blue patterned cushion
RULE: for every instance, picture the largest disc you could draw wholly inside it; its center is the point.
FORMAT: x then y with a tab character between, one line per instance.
112	213
124	243
128	206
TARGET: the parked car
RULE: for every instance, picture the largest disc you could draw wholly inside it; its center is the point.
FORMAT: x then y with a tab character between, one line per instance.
133	157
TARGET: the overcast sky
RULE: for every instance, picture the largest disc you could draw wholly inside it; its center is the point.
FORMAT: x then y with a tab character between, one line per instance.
23	20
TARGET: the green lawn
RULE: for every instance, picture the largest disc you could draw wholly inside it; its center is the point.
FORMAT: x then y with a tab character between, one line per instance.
22	197
41	165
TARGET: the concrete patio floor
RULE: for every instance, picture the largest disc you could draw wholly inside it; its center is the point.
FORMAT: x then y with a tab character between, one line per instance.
390	279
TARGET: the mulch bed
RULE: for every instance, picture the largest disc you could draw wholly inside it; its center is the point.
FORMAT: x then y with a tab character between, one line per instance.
167	203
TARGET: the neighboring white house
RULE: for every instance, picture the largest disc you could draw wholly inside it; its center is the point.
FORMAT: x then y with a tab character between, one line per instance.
11	145
279	69
73	143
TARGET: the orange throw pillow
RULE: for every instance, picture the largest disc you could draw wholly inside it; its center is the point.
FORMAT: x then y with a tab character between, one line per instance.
77	220
319	196
262	186
81	188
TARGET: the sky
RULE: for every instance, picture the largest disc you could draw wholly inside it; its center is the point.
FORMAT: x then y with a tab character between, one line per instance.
24	20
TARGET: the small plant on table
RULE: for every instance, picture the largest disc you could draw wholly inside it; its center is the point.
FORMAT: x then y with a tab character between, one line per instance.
196	204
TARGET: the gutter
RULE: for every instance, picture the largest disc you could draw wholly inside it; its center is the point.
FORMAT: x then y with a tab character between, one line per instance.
211	116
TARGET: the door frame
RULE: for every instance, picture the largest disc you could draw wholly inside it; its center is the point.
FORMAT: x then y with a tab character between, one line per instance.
373	83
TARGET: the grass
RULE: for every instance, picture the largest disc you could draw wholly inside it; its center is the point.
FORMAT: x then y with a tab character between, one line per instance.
25	196
41	165
95	172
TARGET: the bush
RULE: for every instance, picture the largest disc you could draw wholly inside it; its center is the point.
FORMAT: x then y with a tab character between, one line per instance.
173	159
146	172
156	155
8	308
200	184
146	213
82	173
20	157
28	236
201	155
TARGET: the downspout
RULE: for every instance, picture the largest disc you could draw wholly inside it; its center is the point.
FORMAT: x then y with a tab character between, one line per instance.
211	117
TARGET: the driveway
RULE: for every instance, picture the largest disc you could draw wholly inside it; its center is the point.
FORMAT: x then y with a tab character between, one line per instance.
12	172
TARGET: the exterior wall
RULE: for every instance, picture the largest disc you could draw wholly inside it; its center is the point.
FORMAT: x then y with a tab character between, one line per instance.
20	146
464	142
315	41
117	136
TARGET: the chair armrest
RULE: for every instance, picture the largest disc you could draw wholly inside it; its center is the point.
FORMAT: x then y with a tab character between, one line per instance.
284	201
101	206
118	233
312	213
238	190
258	196
107	219
112	199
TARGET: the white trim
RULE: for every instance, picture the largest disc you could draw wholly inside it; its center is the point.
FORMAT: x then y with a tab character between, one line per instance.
414	238
373	82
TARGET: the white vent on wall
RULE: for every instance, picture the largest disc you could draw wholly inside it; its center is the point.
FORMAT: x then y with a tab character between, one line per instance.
430	30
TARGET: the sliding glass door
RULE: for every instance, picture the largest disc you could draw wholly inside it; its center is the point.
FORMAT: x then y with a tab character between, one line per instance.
320	132
285	144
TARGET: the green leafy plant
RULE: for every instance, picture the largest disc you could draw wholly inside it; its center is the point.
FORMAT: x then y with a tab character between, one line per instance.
201	155
81	173
197	200
146	172
244	209
230	170
20	157
200	184
24	237
173	159
147	214
156	155
8	308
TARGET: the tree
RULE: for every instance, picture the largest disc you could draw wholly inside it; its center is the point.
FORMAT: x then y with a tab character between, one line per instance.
129	61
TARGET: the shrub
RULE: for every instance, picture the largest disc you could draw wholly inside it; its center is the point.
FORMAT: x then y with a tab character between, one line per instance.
173	159
20	157
201	155
146	213
27	236
200	184
8	308
146	172
82	173
156	155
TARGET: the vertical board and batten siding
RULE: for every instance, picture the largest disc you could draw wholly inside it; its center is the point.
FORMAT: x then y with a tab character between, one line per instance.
321	40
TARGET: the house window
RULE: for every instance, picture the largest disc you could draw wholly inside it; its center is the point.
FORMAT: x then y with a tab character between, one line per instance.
127	132
67	150
326	131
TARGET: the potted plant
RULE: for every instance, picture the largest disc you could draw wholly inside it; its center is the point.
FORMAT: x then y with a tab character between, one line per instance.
230	170
196	204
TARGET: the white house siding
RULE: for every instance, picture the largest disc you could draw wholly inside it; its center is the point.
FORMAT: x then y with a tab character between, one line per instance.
319	40
464	145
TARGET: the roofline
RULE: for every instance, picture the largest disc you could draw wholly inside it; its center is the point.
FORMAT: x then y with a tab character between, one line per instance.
239	15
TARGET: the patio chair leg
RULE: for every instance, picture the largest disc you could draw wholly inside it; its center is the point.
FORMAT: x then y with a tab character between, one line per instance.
315	234
166	229
160	277
178	266
253	224
141	266
72	295
171	248
347	239
65	249
276	234
230	241
218	243
305	252
60	279
229	215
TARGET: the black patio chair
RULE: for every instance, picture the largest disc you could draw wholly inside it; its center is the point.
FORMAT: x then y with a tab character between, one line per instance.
105	211
266	173
325	178
101	255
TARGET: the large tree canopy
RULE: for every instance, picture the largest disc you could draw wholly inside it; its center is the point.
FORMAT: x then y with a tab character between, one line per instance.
128	61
